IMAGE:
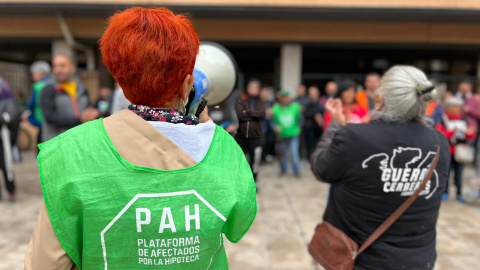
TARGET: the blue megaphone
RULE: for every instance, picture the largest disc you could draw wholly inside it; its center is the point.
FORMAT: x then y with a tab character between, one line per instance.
214	73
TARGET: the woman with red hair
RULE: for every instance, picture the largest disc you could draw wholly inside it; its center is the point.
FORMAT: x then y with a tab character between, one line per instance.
149	185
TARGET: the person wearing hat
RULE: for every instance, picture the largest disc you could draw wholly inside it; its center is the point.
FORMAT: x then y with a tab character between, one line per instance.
456	128
286	117
148	187
353	112
40	71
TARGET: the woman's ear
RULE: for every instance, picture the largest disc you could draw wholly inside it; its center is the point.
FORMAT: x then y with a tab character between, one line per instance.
187	86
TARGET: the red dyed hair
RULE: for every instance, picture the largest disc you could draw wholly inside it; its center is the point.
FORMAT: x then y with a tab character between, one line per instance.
149	52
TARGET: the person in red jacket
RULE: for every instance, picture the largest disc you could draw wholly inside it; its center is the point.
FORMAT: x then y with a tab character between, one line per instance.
457	130
353	112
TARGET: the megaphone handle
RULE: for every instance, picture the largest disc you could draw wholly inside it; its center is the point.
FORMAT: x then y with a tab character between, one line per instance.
201	107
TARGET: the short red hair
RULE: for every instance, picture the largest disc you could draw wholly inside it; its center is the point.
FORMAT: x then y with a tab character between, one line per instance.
149	52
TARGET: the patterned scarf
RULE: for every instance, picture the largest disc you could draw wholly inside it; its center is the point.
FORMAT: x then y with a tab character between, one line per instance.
163	115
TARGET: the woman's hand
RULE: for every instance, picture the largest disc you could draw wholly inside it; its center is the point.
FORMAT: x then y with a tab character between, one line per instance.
90	114
269	112
203	117
231	128
367	118
335	108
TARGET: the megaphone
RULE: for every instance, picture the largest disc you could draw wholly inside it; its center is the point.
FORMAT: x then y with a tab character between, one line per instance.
215	74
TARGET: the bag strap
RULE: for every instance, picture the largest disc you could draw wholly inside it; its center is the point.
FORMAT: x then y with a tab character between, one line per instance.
375	235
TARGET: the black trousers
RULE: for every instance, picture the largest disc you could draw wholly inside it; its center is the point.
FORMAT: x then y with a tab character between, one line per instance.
10	185
253	148
311	135
268	144
458	175
14	128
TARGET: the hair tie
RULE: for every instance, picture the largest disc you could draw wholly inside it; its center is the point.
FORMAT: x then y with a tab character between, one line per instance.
428	90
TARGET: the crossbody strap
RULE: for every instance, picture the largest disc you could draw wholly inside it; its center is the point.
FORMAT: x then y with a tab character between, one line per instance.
375	235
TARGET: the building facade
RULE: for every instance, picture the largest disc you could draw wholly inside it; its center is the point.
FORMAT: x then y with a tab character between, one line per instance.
282	42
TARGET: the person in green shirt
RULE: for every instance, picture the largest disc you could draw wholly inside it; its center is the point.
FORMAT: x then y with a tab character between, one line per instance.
286	116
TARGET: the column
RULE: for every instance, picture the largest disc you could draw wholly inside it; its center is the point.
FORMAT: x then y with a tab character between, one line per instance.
291	67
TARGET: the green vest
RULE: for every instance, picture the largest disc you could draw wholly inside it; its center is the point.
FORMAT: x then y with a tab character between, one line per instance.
288	119
110	214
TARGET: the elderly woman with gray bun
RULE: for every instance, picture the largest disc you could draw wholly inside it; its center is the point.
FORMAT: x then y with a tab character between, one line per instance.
374	168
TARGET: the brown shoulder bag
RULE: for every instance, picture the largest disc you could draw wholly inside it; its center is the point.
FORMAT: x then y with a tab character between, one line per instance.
334	250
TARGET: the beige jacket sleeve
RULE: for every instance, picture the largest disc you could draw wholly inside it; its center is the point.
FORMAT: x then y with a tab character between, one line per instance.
44	250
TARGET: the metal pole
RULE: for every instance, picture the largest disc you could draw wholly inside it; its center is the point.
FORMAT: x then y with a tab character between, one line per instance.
70	40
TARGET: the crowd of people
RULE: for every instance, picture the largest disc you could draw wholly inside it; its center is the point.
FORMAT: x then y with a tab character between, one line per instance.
290	128
286	127
59	101
375	146
267	124
457	116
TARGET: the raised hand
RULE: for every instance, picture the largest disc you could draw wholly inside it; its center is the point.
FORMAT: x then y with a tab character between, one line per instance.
335	108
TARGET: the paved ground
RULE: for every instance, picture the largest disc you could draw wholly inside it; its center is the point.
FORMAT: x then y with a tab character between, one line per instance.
288	212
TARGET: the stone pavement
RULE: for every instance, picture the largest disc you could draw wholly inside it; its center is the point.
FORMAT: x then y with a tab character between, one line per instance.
288	211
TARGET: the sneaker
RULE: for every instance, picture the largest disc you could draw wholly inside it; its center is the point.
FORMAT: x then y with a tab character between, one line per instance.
461	199
445	197
11	196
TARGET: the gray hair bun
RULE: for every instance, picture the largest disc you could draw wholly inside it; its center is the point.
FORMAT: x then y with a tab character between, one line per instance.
425	91
40	67
406	92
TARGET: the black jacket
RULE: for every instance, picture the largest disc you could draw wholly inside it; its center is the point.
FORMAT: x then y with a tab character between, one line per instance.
311	110
373	169
250	113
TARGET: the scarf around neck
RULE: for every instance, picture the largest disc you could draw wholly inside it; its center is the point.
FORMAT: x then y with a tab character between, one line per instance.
163	115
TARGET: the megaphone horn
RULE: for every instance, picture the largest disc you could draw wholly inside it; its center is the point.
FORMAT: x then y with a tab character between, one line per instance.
215	74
